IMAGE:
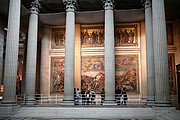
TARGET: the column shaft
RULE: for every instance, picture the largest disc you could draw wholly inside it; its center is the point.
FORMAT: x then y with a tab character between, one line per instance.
1	50
149	54
162	97
44	68
69	57
31	56
11	58
109	57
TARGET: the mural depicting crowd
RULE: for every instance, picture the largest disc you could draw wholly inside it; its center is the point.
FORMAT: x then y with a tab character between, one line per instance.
58	38
92	73
127	72
57	74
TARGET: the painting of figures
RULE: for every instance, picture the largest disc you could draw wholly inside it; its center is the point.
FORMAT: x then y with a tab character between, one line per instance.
172	77
57	75
57	38
127	72
92	36
170	39
125	35
92	76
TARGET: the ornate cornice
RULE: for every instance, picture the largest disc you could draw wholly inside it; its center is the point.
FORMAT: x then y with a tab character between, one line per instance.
70	5
35	5
147	3
108	4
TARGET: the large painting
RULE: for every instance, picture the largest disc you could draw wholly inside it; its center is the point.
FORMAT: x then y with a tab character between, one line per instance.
125	35
92	36
57	75
170	40
172	78
92	73
57	38
127	72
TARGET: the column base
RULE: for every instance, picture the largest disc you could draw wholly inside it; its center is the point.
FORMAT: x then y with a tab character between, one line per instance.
8	110
68	102
109	102
150	103
163	104
8	103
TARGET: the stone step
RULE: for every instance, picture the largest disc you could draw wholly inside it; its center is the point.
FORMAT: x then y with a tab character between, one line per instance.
86	112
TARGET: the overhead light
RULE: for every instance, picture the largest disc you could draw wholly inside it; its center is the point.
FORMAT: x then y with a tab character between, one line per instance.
5	28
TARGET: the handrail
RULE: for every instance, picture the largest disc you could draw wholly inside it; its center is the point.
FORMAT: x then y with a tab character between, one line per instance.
56	99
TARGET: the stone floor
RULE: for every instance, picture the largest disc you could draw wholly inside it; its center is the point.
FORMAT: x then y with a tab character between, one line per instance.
28	118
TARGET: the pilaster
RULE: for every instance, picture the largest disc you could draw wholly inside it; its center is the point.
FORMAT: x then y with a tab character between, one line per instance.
44	68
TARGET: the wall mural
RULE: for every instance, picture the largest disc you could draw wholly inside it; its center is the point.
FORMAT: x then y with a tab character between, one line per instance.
127	72
172	77
170	40
92	36
125	35
92	76
57	75
57	38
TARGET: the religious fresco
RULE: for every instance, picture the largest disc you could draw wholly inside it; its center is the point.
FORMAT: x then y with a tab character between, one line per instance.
172	77
170	40
125	35
92	76
127	72
92	36
57	38
57	75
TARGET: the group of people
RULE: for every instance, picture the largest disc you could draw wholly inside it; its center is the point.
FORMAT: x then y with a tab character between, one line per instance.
121	94
87	97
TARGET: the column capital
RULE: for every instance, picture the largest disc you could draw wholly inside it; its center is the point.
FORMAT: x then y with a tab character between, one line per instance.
146	3
70	5
34	5
108	4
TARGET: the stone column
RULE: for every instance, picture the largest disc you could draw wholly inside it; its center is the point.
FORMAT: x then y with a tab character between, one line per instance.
69	51
149	53
162	95
109	53
44	68
11	58
1	49
32	52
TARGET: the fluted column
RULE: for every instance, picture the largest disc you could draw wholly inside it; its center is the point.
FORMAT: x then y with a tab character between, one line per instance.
1	49
44	68
109	53
149	53
32	52
69	51
162	95
11	58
